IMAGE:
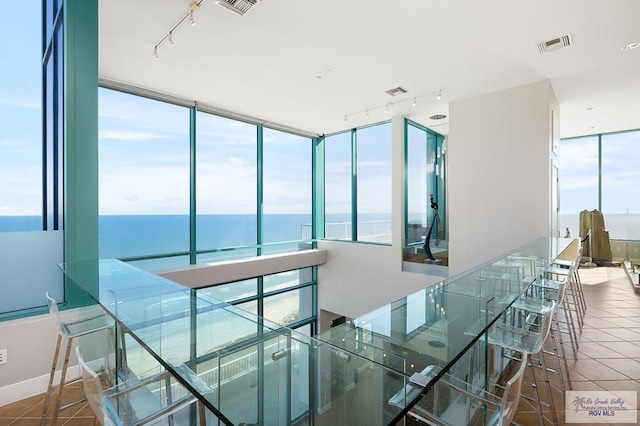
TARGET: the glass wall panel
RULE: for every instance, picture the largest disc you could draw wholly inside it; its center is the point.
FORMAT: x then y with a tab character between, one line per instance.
337	187
144	176
21	116
286	186
374	183
578	176
287	279
620	179
233	291
226	183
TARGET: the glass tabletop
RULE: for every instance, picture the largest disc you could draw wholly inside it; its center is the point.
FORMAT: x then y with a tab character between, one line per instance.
246	369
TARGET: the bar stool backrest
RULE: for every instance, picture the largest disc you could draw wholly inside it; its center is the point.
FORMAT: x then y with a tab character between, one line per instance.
512	391
93	390
54	314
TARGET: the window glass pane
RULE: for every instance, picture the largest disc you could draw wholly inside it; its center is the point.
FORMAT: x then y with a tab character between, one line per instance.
290	307
144	176
219	328
419	174
374	183
620	179
20	116
226	187
578	180
287	279
232	291
59	71
287	186
337	187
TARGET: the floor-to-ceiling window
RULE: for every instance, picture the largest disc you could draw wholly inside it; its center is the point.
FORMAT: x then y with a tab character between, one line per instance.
226	194
20	117
286	187
425	215
144	176
357	190
600	172
373	167
338	186
578	176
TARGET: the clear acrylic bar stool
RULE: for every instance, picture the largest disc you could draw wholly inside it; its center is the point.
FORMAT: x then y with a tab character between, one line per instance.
90	320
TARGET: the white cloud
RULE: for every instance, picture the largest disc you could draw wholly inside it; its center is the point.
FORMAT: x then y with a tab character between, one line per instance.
129	135
31	103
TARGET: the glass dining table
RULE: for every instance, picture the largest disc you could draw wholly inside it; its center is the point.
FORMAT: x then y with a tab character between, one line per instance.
247	370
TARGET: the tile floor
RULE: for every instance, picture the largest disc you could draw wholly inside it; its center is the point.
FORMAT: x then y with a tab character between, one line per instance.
608	357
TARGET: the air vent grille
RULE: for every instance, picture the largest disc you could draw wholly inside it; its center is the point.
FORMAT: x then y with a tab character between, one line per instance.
239	6
556	43
396	91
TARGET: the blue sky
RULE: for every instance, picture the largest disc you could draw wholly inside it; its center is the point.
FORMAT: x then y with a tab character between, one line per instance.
20	117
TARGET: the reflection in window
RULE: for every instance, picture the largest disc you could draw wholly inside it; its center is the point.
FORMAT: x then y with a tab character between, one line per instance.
337	187
287	187
290	307
620	177
374	183
234	291
226	180
20	117
144	176
578	176
287	279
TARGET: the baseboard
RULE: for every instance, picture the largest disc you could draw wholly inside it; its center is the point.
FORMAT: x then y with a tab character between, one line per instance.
32	387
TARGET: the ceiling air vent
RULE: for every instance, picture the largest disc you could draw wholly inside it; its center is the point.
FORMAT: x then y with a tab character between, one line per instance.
396	91
239	6
556	43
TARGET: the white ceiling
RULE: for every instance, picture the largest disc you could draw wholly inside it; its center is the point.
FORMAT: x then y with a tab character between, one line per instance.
308	63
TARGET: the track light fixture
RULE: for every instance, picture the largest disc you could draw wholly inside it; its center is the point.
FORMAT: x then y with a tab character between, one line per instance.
195	5
387	106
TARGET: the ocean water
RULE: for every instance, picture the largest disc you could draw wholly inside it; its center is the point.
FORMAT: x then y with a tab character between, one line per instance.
142	235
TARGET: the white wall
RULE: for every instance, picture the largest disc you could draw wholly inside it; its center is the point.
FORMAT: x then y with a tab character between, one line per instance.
498	154
359	278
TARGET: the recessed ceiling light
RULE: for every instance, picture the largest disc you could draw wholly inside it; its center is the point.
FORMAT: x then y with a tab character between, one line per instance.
438	117
631	46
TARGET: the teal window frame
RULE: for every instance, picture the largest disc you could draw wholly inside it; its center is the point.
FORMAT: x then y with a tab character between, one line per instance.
438	178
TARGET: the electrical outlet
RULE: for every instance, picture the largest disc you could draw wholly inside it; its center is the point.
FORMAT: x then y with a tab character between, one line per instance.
3	356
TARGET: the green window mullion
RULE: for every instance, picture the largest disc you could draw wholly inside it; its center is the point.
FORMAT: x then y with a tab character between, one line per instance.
192	185
260	187
354	185
317	189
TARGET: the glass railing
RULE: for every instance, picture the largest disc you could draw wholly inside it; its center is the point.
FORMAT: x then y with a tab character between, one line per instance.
248	370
